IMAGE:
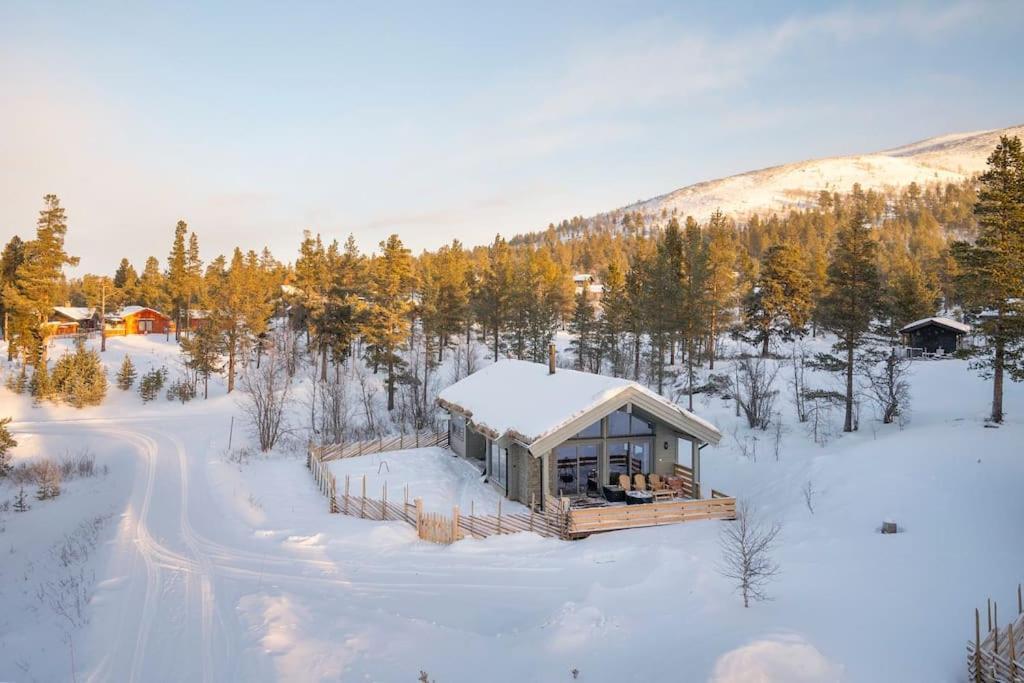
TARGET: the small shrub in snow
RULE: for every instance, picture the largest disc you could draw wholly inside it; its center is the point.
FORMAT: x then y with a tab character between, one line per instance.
18	383
21	503
47	480
886	383
151	384
126	375
808	494
747	544
181	390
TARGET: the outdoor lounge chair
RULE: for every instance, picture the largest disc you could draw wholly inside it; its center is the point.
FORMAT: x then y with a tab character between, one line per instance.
639	482
624	482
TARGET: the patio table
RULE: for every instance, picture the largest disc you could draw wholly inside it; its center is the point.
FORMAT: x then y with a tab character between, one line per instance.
614	494
639	497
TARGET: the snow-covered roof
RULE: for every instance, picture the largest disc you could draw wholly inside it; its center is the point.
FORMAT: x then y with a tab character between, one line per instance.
520	401
937	320
582	277
75	312
132	310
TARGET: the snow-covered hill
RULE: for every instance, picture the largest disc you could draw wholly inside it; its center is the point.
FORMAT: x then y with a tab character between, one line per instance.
945	158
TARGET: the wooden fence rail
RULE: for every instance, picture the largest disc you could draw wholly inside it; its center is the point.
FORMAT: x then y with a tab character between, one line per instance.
422	439
998	657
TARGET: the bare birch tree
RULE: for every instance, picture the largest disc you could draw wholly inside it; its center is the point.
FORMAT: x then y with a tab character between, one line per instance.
265	393
747	545
755	390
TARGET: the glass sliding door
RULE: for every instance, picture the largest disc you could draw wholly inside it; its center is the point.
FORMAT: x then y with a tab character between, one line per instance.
497	465
578	469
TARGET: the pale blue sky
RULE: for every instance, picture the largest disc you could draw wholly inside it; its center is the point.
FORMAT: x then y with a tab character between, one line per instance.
253	121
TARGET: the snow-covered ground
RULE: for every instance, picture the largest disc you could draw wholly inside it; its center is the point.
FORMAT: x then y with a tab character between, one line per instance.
211	567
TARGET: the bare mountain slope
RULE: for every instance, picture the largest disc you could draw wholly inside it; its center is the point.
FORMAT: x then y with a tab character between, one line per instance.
941	159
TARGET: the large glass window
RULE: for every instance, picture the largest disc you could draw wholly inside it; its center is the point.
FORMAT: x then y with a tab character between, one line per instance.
621	423
591	432
577	469
618	460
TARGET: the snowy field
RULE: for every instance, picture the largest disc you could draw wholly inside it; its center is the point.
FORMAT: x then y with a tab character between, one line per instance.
210	565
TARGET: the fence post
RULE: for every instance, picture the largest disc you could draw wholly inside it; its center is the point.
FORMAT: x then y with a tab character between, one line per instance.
419	517
455	523
472	513
346	494
995	624
499	515
417	438
362	500
532	507
384	502
1020	603
334	494
977	645
1013	651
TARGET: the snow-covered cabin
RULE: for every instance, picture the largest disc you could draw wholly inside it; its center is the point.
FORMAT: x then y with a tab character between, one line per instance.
934	335
587	282
539	431
72	319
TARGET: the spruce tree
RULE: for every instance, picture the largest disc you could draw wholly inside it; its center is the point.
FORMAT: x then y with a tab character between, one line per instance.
152	289
780	303
613	323
721	281
41	386
991	280
11	258
126	375
493	294
852	302
202	354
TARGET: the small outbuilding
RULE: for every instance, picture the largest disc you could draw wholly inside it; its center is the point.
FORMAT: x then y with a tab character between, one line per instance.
934	336
538	431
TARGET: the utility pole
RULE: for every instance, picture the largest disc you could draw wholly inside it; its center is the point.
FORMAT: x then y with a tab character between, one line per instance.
103	314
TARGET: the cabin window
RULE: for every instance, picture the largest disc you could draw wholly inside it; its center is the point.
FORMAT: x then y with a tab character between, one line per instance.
497	464
591	432
629	457
621	423
577	469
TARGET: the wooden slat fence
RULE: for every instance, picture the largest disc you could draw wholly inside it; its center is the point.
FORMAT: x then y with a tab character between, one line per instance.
422	439
999	656
429	526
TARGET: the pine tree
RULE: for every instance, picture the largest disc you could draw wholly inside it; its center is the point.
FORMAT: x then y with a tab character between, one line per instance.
38	281
152	289
613	323
242	306
780	303
908	295
493	294
694	310
663	295
721	280
126	282
202	354
991	279
79	378
126	375
583	327
178	281
11	258
850	306
7	442
392	284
